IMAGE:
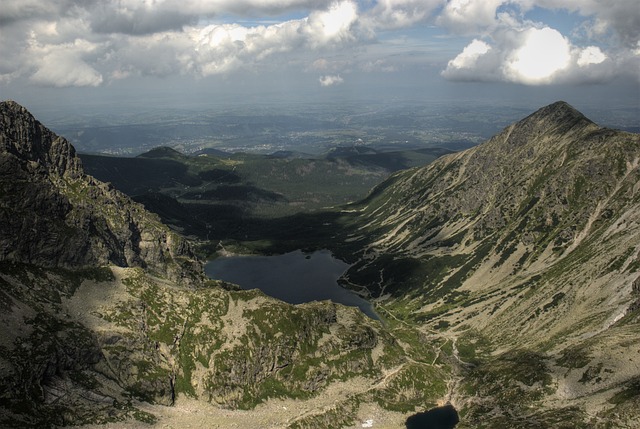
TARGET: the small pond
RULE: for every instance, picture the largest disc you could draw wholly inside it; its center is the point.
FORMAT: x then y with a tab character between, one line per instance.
294	277
445	417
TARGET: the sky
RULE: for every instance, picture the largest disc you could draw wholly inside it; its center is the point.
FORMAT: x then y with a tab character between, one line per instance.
116	52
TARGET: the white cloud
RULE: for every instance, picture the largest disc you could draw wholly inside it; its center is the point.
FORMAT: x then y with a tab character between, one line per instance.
591	55
89	42
469	16
330	80
482	17
140	17
221	48
389	14
54	56
540	55
469	56
532	56
619	16
63	65
510	48
332	25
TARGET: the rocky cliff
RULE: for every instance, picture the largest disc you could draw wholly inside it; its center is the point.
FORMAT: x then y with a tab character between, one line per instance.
53	215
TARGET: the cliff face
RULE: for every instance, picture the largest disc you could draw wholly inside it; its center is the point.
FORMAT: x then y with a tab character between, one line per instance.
53	215
28	140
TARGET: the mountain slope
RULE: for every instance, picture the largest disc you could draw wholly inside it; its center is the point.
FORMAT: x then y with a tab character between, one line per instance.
525	249
508	276
95	316
53	215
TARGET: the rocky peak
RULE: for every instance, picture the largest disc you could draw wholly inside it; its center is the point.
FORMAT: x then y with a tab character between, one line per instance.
22	136
559	112
554	120
53	215
527	197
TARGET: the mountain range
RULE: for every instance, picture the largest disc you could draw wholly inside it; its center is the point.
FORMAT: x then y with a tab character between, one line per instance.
506	277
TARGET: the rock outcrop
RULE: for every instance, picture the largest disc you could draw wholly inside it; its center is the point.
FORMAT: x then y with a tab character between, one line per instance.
53	215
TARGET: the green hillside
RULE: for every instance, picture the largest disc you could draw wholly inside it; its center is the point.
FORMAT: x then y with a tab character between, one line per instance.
228	195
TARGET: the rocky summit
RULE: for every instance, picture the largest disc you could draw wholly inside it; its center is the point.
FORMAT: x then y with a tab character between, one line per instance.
507	278
53	215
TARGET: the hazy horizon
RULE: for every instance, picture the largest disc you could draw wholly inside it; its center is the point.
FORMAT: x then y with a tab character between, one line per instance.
122	57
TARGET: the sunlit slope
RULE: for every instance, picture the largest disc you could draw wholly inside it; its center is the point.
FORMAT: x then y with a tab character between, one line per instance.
526	248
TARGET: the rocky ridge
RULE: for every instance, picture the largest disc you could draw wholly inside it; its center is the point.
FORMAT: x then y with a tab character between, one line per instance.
54	215
523	251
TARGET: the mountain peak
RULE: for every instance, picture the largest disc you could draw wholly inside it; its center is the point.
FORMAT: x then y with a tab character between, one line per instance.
560	116
56	216
554	122
162	152
12	105
560	111
22	136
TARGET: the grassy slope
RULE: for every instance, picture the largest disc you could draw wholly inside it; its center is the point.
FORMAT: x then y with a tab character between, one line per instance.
84	346
521	268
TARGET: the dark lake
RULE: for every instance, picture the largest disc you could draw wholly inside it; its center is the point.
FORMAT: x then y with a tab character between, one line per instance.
437	418
294	277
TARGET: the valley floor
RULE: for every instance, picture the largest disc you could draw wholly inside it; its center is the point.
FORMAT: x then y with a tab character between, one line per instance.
274	414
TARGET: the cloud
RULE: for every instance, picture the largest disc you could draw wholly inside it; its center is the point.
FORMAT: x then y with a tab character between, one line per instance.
539	54
63	65
89	42
331	26
479	17
531	56
590	55
378	66
320	64
137	17
510	47
221	48
147	16
393	14
329	80
620	16
135	38
139	20
21	10
469	16
468	58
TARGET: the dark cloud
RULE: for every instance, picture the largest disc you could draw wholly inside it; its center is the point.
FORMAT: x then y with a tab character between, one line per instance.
107	21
